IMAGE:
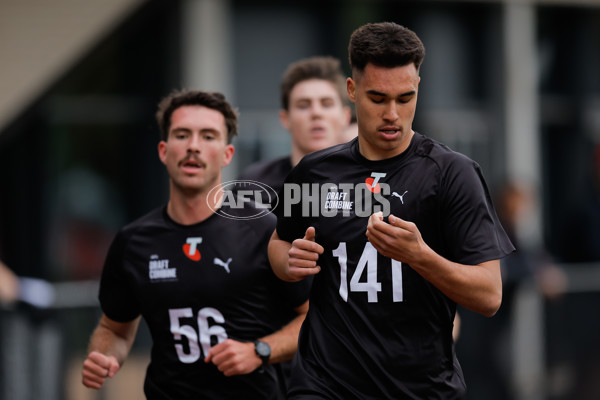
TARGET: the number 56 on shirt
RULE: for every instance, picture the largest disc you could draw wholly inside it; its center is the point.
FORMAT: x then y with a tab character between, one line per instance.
195	339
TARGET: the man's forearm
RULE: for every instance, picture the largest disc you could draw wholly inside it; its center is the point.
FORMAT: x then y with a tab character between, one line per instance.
114	339
475	287
279	257
284	342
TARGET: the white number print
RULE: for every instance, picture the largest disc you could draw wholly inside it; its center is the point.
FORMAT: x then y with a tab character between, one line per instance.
188	332
367	259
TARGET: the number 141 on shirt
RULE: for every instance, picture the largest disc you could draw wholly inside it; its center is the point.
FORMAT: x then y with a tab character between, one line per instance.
368	259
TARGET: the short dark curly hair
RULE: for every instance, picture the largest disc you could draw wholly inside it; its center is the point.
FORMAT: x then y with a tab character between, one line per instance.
385	44
326	68
180	98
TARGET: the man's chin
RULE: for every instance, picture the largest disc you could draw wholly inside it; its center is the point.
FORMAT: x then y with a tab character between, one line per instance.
191	186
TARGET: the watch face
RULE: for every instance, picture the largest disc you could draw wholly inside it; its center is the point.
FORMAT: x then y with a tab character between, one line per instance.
263	349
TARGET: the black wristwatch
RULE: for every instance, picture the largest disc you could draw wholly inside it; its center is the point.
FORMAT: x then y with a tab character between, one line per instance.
263	350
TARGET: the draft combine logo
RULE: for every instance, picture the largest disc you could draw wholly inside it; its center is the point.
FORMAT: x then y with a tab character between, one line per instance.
190	248
159	270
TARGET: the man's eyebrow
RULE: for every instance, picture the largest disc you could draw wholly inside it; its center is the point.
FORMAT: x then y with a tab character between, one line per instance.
183	129
377	93
409	93
180	129
318	98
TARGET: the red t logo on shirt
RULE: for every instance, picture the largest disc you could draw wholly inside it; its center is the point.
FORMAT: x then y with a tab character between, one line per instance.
190	248
373	182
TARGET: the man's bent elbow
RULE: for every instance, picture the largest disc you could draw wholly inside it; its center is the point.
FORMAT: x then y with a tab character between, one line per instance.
492	304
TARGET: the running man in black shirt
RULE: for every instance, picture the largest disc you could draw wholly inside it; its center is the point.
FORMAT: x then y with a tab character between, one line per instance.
396	229
197	271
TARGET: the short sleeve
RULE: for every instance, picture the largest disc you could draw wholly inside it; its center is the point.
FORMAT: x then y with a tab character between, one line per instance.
291	224
116	294
471	225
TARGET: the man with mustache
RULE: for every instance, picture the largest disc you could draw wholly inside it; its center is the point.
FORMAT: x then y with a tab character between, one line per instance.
197	271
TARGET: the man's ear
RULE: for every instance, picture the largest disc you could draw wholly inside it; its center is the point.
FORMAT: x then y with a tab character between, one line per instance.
229	150
351	89
284	119
162	151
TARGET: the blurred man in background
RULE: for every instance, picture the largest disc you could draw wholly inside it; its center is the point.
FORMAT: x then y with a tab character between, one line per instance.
315	111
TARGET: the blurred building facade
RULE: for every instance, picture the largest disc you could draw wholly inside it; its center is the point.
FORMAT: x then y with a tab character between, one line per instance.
514	84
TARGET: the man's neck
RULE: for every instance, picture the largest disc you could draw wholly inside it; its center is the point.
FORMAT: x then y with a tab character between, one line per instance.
186	209
296	156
